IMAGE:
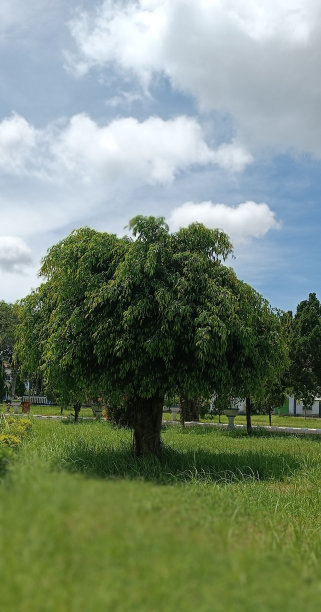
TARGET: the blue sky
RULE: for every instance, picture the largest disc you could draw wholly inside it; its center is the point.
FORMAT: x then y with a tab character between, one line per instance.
197	111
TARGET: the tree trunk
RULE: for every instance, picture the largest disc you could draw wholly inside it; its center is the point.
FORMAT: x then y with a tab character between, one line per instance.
248	416
189	410
147	422
77	407
13	382
270	417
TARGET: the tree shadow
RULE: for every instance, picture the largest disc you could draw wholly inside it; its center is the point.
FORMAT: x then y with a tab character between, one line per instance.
259	432
175	467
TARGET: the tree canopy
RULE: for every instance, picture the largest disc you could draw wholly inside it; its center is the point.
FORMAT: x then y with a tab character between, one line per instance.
7	330
305	351
133	319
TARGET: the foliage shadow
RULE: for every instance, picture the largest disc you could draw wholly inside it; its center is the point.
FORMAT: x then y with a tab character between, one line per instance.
175	467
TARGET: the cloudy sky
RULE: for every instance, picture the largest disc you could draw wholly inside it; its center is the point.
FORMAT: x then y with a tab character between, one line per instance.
204	110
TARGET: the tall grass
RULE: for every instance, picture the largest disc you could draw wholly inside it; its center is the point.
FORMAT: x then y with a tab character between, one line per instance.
220	522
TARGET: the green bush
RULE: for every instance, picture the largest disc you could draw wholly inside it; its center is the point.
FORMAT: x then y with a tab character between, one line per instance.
10	440
16	426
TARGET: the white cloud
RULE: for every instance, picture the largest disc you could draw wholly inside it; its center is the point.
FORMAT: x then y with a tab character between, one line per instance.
148	152
17	142
73	170
15	255
258	61
242	223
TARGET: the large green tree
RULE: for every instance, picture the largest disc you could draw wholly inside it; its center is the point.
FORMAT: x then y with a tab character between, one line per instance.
305	351
135	319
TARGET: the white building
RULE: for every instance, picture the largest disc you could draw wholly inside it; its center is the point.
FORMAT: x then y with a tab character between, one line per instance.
296	408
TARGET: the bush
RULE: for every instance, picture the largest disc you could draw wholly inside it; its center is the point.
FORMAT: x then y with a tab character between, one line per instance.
19	427
10	440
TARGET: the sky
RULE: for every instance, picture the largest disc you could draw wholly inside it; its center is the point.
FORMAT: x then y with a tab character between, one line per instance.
204	110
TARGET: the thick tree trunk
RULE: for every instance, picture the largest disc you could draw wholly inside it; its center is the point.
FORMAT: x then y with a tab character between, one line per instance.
77	407
248	416
147	422
189	410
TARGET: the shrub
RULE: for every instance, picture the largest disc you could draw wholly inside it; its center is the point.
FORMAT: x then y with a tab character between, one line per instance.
10	440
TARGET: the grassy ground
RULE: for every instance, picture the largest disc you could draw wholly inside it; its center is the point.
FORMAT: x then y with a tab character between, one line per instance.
257	419
222	522
49	410
263	419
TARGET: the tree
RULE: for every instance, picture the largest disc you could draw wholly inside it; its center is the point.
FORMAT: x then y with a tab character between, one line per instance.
2	383
305	351
7	330
134	319
20	385
273	395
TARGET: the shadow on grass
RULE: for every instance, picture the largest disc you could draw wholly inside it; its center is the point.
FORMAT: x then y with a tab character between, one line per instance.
258	432
175	467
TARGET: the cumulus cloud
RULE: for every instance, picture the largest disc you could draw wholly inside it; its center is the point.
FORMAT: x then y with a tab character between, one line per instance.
17	143
242	223
147	152
15	255
257	61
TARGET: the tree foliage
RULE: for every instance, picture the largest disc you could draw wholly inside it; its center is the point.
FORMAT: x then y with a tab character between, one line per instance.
135	319
305	351
7	330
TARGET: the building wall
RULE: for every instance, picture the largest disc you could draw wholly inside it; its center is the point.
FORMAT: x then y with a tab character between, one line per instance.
296	408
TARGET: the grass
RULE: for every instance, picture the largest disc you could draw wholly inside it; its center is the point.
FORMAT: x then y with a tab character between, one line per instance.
222	522
257	419
50	410
263	419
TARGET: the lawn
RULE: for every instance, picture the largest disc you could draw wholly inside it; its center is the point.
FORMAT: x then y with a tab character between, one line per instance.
263	419
257	419
50	410
223	522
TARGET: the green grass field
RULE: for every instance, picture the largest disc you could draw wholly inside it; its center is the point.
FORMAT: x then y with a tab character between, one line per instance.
257	419
222	522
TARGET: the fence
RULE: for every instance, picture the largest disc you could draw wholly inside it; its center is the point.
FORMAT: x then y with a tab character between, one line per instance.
35	399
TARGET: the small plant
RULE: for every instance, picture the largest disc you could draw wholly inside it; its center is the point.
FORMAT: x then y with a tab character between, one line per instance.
10	440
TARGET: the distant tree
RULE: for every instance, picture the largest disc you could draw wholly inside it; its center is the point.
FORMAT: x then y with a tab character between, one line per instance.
2	383
305	351
258	351
7	330
20	387
273	396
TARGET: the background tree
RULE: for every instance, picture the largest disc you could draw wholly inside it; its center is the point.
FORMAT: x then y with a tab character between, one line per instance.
305	351
2	383
7	330
257	351
273	395
20	384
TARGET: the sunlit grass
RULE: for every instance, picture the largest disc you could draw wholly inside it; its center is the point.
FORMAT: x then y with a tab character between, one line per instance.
221	522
